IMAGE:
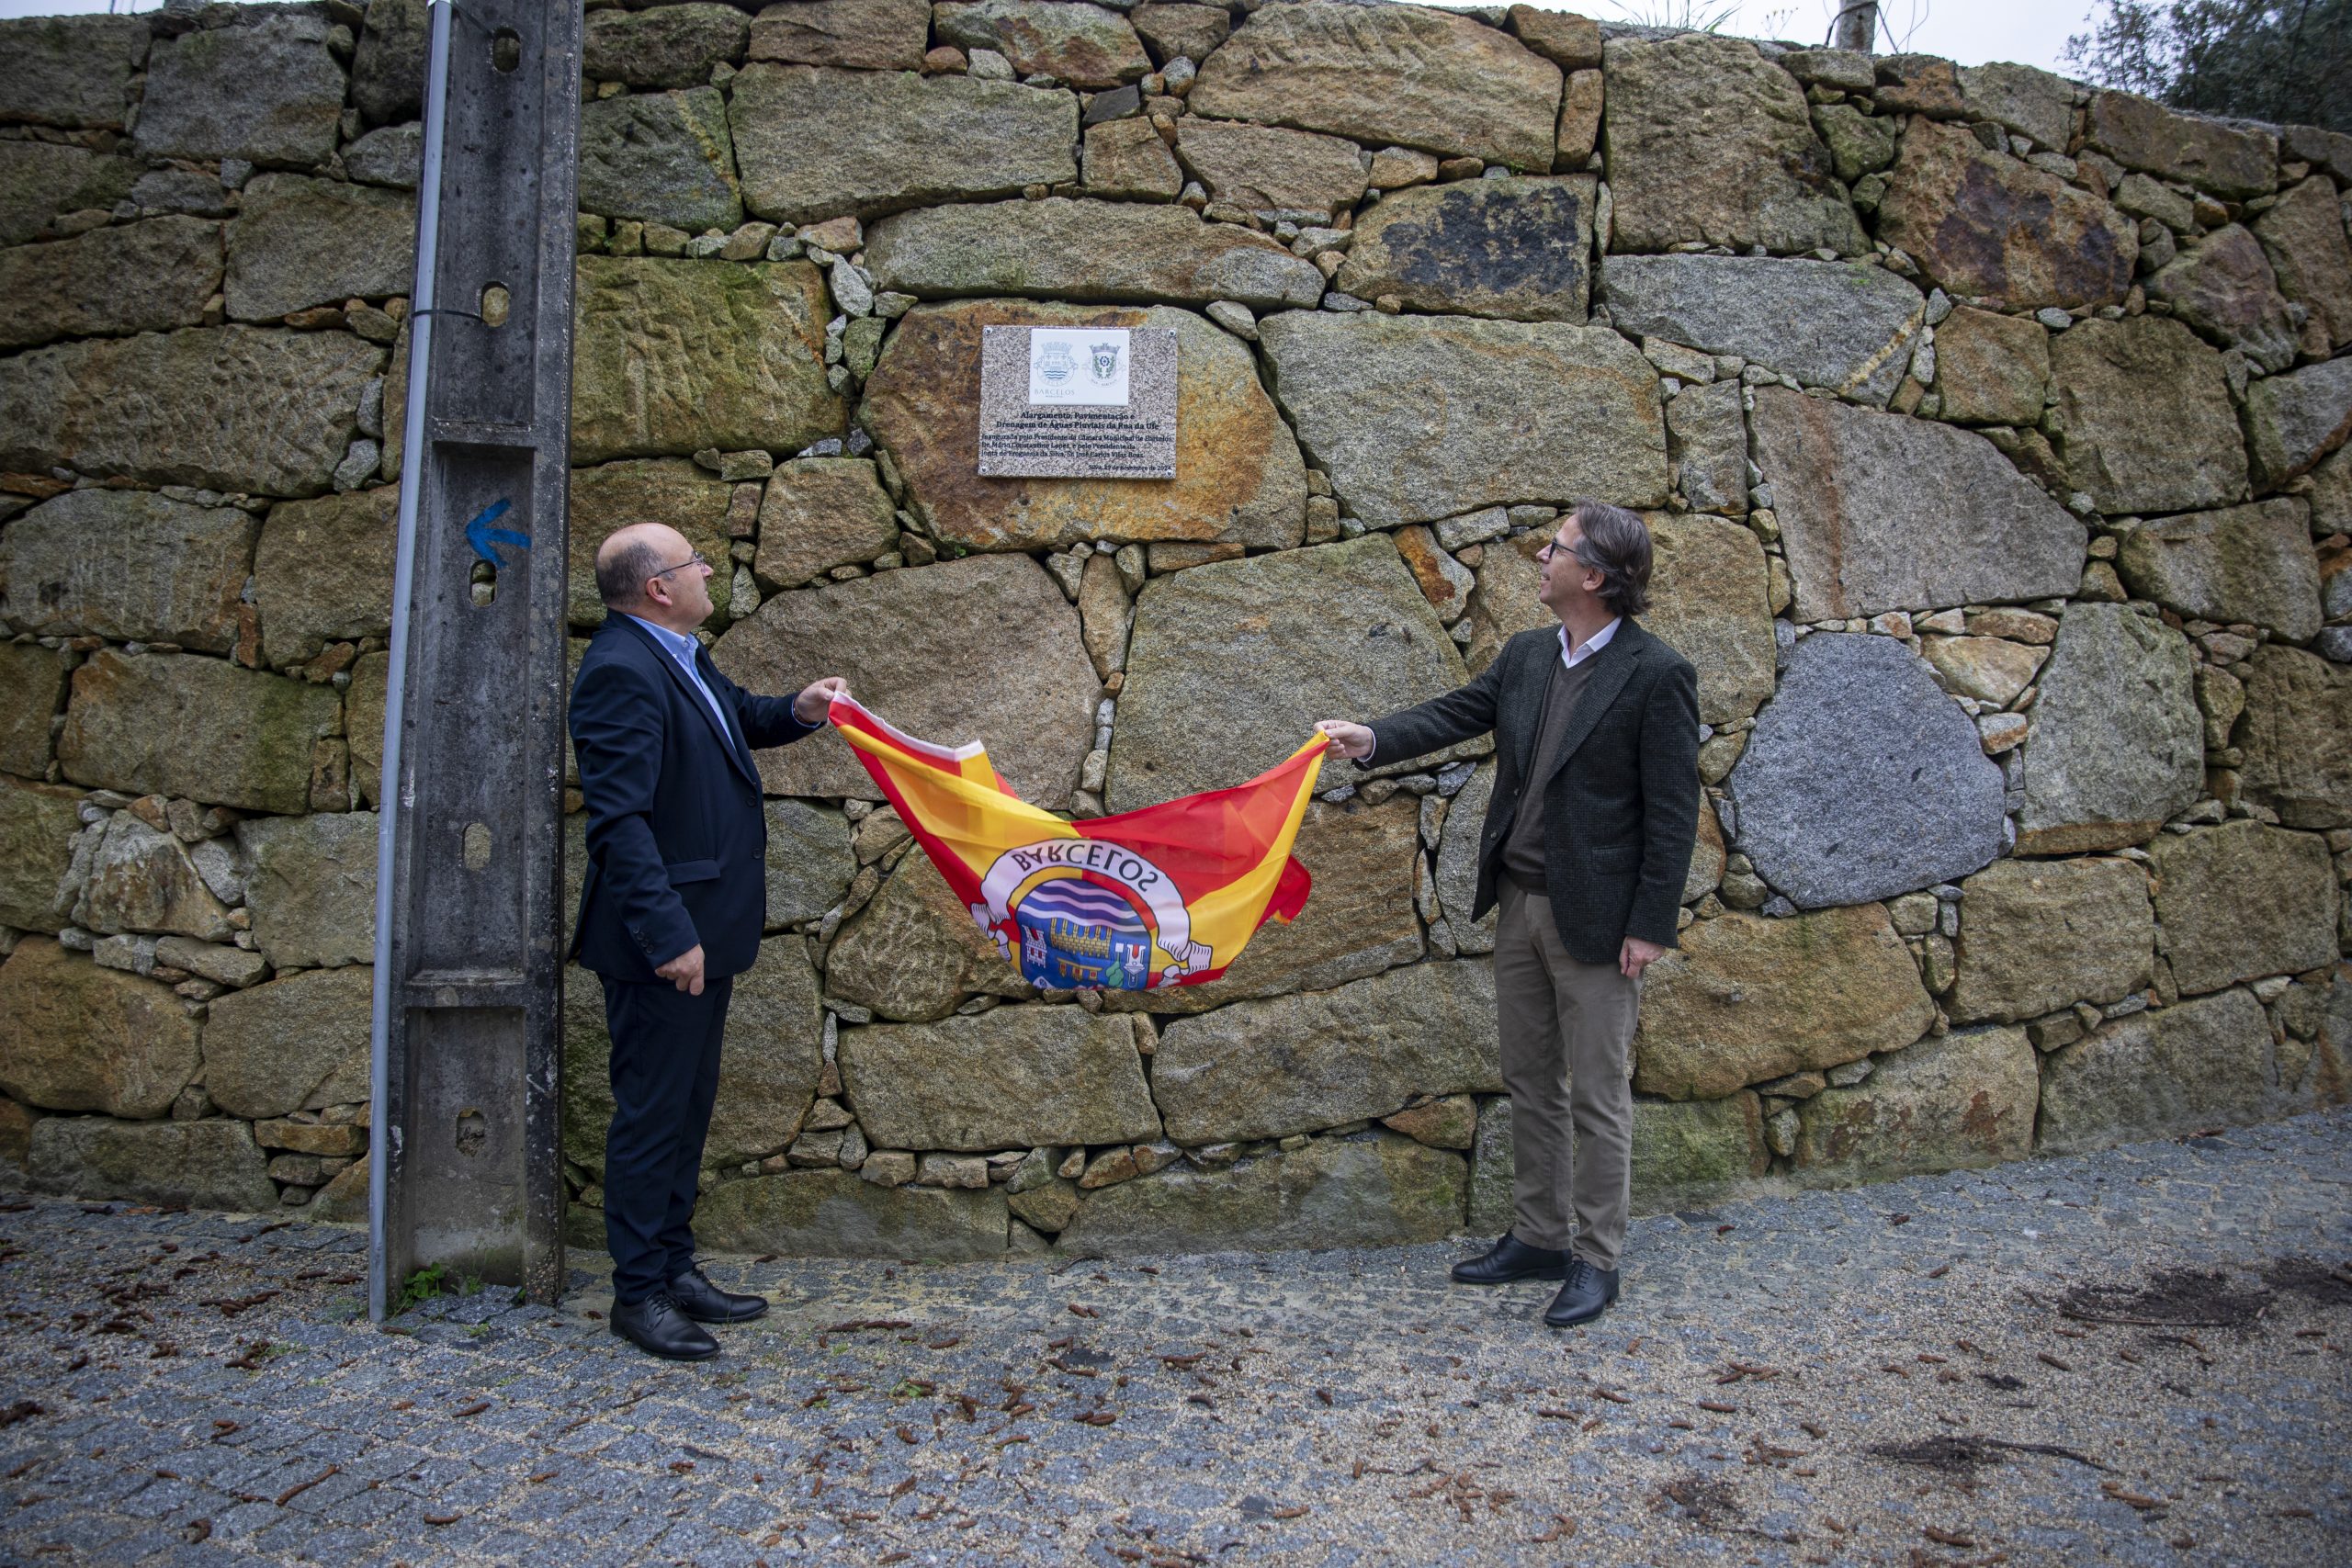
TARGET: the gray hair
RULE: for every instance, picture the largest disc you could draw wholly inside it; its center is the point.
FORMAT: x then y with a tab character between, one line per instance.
1616	544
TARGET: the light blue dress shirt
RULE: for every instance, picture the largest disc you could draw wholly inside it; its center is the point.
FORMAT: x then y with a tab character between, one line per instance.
684	647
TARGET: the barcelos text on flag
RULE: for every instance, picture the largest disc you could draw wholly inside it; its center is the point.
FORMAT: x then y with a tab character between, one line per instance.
1167	895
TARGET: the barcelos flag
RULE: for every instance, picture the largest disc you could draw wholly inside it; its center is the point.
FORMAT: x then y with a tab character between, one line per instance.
1167	895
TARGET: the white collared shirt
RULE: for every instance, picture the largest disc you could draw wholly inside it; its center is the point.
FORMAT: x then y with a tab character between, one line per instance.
1592	644
682	648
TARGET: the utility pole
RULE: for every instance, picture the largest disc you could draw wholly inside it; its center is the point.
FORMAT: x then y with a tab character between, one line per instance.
465	1171
1856	26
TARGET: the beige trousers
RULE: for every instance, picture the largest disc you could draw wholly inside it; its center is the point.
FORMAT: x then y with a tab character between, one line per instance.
1567	1040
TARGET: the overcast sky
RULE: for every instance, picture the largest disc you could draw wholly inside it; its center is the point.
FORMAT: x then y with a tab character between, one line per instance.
1970	32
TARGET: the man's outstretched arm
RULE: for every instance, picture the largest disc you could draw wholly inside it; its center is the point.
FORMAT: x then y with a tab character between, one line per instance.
1460	715
780	721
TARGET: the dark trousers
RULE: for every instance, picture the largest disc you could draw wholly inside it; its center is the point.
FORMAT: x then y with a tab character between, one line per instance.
666	1079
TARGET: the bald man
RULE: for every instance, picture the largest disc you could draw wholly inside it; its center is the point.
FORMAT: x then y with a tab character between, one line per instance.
671	910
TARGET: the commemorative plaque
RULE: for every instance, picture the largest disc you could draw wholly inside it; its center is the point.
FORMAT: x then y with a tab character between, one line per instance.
1078	403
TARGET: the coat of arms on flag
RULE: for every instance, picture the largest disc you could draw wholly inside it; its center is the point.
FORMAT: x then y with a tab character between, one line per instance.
1166	895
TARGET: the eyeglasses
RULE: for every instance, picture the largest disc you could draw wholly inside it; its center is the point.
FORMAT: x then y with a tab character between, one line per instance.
698	559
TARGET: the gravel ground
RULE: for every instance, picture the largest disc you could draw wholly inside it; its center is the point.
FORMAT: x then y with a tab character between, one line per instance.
2137	1357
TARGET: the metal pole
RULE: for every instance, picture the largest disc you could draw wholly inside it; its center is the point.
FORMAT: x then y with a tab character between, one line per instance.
420	354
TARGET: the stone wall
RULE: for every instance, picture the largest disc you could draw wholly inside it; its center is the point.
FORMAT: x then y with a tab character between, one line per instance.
1990	426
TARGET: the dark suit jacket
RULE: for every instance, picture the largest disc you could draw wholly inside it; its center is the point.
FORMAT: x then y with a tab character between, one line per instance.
677	843
1621	810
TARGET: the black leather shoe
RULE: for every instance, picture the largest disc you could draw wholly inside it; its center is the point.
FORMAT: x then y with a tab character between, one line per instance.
1585	1296
656	1327
1509	1259
706	1302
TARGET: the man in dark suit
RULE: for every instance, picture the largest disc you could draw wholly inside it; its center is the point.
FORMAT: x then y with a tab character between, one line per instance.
671	908
1586	844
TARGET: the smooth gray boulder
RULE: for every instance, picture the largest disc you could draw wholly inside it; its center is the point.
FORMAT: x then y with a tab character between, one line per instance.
1835	324
1879	511
1862	780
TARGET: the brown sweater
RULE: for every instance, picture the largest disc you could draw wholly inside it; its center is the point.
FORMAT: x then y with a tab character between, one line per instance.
1524	851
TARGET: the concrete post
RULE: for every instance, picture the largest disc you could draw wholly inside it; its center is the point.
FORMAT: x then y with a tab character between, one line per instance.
467	1172
1856	26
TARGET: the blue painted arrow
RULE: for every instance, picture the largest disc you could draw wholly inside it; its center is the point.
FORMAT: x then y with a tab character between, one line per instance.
481	535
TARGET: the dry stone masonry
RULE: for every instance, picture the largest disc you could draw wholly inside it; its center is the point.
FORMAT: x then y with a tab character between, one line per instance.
1992	429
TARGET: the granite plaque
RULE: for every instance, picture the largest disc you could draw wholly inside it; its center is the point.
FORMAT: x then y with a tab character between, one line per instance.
1078	403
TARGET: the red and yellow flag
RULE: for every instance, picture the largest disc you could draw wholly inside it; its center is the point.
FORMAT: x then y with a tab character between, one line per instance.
1167	895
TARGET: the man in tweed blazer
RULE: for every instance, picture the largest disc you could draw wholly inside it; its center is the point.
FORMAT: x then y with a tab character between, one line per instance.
1585	845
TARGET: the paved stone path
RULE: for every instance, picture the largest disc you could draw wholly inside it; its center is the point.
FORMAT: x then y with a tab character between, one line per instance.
1965	1368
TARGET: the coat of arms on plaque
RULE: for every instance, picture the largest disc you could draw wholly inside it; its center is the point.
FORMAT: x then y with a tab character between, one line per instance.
1078	403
